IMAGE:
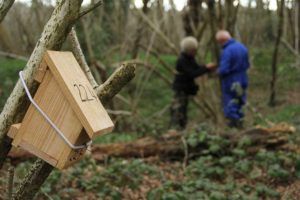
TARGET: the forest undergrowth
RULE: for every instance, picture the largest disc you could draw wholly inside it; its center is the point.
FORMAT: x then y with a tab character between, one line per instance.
215	174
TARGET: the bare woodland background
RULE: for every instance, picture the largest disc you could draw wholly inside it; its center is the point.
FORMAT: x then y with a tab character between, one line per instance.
117	33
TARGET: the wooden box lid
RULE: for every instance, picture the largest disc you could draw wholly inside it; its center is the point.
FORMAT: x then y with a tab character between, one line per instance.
79	92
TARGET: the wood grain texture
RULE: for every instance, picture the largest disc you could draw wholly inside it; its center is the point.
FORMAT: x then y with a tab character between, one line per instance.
36	131
13	130
41	71
69	100
78	91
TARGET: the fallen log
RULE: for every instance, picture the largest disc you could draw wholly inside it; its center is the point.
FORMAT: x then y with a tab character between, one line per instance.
171	144
167	144
143	147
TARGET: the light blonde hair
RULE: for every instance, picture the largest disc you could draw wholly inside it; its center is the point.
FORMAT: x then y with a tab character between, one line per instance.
188	44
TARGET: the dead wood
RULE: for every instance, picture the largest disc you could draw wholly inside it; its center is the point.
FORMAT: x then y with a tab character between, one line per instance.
170	144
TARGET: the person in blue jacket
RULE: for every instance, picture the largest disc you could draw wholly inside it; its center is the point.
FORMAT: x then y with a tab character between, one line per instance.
233	66
184	86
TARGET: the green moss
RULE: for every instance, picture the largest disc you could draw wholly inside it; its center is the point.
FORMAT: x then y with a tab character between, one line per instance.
9	69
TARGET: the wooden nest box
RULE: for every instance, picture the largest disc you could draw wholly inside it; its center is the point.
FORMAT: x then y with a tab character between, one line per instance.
67	98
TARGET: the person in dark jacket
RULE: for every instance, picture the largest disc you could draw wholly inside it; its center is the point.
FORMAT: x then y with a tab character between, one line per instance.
233	66
184	85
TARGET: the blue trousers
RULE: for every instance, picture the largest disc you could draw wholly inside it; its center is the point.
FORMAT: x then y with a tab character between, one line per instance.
233	99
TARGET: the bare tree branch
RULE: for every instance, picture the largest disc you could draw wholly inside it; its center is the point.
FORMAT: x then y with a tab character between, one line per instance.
119	112
5	5
33	180
91	7
10	185
158	31
120	77
80	57
290	48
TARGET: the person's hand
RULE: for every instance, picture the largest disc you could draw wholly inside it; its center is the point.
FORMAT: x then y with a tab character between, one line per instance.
211	66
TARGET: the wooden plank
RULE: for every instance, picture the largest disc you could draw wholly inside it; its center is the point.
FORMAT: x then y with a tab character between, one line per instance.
41	71
13	130
79	92
32	149
37	132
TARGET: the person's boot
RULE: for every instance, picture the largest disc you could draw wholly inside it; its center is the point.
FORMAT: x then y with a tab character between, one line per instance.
235	123
240	124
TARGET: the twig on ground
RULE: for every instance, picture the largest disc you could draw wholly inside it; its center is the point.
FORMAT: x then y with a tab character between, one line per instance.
10	185
186	153
118	112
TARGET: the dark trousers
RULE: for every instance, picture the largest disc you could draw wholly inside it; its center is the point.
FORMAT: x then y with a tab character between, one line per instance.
179	110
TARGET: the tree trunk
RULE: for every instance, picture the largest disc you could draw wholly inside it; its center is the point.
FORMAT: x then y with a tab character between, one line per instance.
272	101
5	5
4	8
36	6
91	56
191	17
29	40
291	25
139	31
297	25
213	27
228	15
33	180
6	40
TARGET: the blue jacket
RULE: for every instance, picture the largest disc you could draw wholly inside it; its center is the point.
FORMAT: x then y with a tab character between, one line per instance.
234	64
